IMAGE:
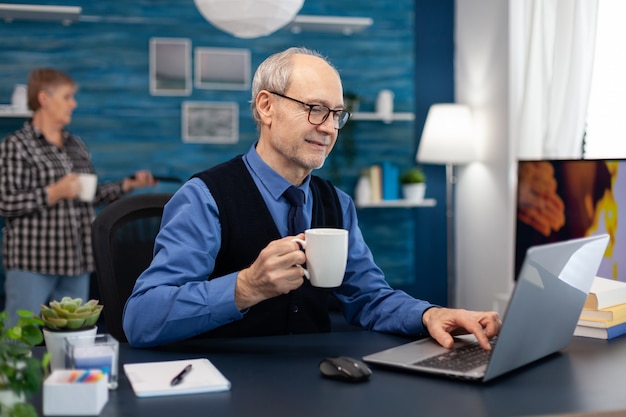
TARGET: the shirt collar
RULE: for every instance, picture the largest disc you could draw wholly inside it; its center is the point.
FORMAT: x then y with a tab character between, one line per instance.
30	127
273	182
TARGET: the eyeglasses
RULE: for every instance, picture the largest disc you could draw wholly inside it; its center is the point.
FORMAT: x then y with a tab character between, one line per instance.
319	113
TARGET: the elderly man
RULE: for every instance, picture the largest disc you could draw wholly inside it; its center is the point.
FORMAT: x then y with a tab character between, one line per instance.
225	262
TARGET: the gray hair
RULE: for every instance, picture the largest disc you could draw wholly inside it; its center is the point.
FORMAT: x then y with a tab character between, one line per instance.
274	74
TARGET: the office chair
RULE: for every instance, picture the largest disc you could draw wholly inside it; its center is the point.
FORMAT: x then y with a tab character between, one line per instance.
123	242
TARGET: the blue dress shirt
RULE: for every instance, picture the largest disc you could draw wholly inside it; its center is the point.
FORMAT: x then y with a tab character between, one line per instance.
173	300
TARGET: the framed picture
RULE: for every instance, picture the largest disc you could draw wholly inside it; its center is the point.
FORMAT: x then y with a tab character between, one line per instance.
170	67
210	122
222	68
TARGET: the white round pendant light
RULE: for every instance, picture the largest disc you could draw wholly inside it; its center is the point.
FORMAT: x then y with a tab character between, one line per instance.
249	18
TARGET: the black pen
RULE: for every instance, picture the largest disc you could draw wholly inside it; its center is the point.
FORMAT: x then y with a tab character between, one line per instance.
179	378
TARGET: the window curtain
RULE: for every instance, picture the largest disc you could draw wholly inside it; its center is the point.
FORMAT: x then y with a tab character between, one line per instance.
552	60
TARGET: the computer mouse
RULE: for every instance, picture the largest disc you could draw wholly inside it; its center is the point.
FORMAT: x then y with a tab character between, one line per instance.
345	368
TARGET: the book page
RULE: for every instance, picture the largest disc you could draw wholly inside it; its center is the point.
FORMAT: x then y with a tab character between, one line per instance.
152	379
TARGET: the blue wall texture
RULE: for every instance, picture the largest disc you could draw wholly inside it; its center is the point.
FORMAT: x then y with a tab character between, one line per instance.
408	49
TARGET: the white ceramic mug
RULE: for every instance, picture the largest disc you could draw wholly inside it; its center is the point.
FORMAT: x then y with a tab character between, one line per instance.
326	256
88	186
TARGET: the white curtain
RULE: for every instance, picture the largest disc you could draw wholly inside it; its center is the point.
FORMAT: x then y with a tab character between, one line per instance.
552	58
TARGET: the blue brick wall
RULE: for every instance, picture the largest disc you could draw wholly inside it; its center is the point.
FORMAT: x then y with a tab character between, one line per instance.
408	50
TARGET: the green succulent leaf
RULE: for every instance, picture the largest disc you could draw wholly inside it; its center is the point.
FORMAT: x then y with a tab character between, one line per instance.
75	323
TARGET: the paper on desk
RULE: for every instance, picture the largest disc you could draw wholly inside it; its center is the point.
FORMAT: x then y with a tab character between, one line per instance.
152	379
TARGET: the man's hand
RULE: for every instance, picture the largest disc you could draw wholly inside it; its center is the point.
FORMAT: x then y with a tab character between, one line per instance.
275	271
443	323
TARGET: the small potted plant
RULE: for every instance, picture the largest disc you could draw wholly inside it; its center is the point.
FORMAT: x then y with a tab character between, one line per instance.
351	101
413	184
21	374
66	318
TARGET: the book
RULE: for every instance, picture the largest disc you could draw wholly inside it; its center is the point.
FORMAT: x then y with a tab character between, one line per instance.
605	293
601	333
601	323
153	379
376	183
391	181
606	314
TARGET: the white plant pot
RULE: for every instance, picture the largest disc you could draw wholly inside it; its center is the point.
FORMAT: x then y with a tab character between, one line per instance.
55	343
414	192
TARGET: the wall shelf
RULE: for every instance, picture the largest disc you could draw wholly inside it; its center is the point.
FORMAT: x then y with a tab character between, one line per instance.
7	111
332	24
395	117
64	14
427	202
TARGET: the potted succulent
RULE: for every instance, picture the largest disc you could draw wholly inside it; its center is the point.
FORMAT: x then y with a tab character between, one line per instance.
413	184
21	374
65	318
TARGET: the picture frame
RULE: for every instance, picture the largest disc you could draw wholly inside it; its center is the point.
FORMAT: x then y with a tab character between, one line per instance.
222	68
210	122
170	66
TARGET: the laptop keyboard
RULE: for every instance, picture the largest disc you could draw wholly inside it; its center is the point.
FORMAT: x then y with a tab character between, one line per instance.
461	359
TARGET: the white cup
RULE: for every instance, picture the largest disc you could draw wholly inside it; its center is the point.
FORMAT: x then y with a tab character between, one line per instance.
88	186
326	256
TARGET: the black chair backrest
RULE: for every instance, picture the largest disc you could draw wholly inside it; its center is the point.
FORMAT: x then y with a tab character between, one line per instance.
123	242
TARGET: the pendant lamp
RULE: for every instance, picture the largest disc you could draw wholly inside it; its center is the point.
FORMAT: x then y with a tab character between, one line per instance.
249	18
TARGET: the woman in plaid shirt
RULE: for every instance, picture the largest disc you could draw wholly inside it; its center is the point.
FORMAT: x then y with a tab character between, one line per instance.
46	243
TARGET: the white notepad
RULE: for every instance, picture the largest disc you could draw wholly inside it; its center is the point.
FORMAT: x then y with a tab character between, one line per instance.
152	379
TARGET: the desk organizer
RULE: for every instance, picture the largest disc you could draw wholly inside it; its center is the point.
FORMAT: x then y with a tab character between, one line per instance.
75	393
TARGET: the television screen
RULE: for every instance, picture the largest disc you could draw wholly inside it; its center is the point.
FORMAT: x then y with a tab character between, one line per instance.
564	199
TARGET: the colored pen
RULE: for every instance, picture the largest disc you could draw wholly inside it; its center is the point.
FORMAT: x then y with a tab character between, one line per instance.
181	375
84	376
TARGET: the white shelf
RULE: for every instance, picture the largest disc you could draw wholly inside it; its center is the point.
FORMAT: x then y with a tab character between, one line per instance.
395	117
64	14
427	202
8	112
332	24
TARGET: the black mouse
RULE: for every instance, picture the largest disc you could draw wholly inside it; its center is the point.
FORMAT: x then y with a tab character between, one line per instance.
345	368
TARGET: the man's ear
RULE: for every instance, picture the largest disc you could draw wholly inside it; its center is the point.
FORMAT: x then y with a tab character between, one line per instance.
264	106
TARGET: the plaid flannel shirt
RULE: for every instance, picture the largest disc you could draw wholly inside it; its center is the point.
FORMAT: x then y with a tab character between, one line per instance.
38	237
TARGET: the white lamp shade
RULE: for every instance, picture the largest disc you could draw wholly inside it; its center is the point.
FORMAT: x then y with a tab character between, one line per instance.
249	18
448	136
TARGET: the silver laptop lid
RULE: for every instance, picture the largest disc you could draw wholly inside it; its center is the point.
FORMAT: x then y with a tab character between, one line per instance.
543	311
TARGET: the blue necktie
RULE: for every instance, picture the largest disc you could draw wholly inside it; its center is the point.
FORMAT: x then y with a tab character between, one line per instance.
295	220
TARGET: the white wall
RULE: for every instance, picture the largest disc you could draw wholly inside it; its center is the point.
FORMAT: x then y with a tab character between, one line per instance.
485	189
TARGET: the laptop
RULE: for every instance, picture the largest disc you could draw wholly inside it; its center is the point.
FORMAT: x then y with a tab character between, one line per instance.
540	318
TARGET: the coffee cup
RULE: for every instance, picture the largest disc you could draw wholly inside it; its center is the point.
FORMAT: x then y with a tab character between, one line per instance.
326	256
88	186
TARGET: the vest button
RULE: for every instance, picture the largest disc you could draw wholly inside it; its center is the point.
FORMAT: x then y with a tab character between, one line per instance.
295	308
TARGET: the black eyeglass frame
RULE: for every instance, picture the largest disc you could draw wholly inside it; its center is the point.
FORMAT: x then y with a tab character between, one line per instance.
341	114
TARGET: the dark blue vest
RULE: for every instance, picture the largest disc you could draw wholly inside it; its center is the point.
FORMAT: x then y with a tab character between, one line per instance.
247	227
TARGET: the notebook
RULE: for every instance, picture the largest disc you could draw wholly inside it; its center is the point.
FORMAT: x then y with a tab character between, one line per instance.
152	379
540	318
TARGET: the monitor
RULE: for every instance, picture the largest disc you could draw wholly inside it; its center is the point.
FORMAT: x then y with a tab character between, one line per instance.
564	199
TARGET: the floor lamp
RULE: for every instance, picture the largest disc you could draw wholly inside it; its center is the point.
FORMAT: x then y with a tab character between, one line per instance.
448	138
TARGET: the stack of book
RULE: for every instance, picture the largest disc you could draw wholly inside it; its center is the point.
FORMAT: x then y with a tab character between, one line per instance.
604	313
384	182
